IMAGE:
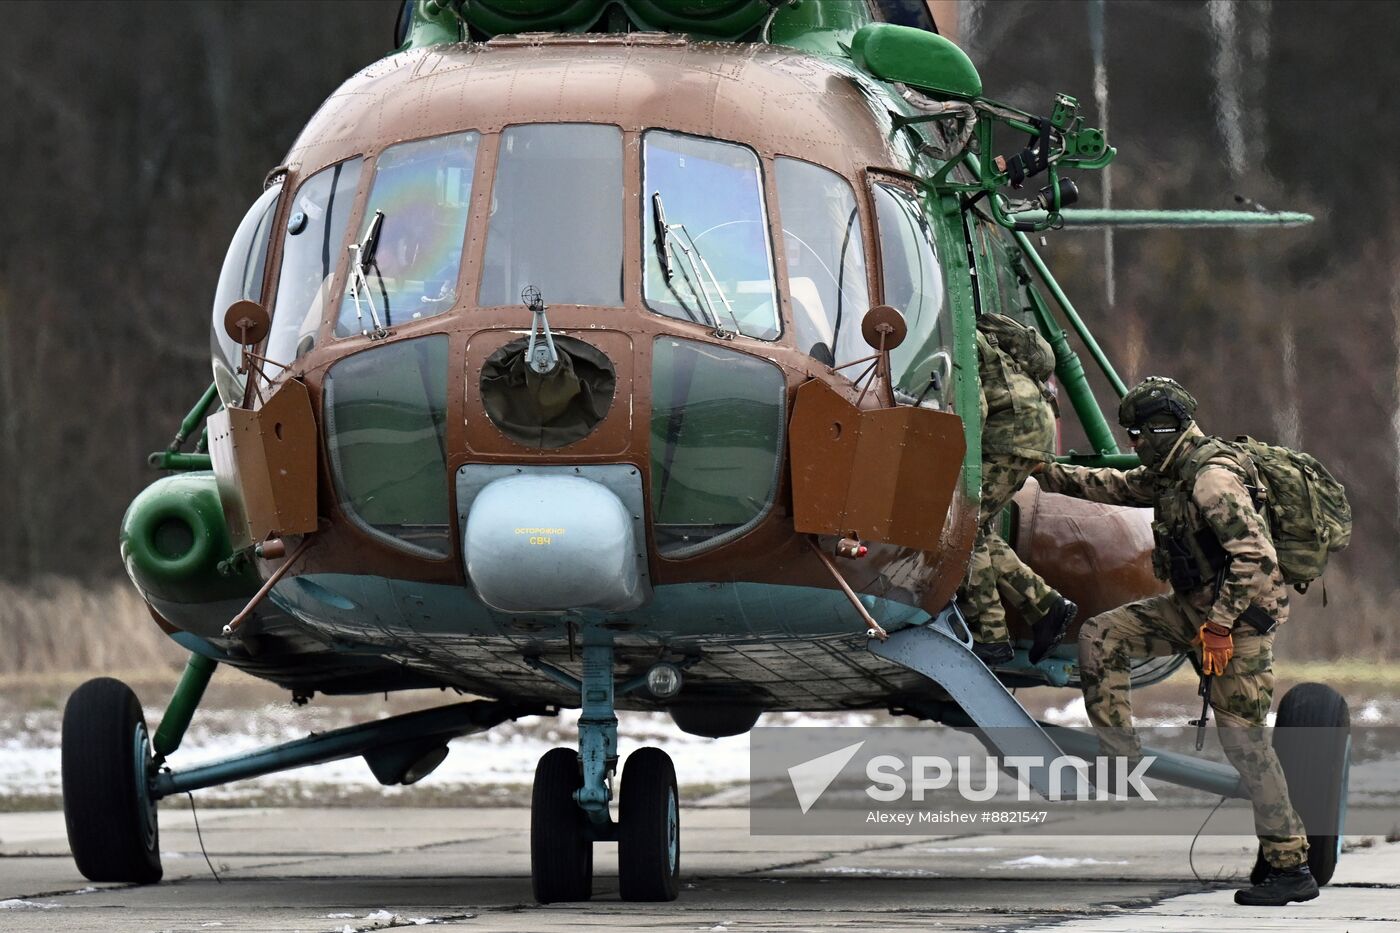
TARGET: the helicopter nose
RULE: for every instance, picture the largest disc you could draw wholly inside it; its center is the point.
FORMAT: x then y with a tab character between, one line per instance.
549	542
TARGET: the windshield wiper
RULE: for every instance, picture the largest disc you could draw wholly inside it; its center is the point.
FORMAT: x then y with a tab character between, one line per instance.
695	260
663	234
361	261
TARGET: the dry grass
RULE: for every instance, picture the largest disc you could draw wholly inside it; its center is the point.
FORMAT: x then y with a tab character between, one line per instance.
54	625
1358	621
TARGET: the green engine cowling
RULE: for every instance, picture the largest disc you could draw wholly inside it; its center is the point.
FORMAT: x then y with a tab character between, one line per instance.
174	540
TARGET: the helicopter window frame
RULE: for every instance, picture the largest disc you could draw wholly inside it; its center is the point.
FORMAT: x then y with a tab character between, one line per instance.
763	179
236	278
333	286
916	356
335	309
691	426
864	222
435	341
574	213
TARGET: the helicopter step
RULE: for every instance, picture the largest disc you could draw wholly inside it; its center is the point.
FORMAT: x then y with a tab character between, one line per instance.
941	650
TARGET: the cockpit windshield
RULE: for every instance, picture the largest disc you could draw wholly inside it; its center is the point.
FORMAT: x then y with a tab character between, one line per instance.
424	191
314	250
241	279
556	216
825	262
707	253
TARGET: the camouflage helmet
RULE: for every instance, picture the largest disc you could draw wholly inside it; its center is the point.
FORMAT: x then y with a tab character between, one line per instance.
1156	395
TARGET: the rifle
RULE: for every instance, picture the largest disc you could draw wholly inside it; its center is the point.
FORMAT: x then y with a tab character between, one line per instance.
1200	724
1208	679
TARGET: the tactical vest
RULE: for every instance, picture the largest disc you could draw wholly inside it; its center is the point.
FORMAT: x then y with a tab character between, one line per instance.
1014	362
1187	552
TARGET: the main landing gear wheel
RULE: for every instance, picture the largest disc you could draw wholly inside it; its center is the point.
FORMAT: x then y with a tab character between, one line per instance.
561	852
1316	761
111	817
649	828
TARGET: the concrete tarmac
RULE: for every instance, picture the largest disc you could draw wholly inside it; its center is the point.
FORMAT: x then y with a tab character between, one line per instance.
351	870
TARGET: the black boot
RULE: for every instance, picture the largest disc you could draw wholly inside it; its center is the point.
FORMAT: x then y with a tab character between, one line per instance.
1280	886
1049	630
993	653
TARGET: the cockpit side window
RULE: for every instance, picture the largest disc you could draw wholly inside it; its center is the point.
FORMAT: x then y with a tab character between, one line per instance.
314	252
825	261
556	216
705	238
424	190
913	281
241	279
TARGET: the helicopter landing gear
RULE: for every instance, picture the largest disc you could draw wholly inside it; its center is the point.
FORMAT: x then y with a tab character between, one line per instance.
1316	762
107	804
561	842
649	834
569	809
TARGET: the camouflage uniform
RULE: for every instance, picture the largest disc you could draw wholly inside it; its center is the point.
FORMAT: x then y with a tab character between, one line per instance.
1018	432
1219	501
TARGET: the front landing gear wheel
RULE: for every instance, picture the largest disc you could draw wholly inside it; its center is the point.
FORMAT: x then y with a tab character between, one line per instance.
1316	761
111	817
649	828
561	853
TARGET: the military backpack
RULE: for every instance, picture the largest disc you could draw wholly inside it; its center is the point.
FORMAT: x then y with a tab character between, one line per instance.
1023	345
1307	509
1304	506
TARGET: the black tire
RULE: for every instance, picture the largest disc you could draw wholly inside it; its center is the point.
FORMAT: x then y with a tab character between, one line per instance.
561	852
1315	763
649	832
112	827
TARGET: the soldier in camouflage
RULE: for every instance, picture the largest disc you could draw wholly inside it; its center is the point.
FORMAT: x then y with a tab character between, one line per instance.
1018	433
1227	596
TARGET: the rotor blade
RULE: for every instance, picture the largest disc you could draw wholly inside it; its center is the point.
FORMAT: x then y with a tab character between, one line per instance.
1087	219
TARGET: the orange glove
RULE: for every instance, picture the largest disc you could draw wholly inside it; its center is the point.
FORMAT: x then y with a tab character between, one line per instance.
1217	647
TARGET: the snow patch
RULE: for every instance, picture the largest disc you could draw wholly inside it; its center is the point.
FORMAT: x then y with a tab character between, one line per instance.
957	850
1052	861
15	903
506	755
1073	713
882	872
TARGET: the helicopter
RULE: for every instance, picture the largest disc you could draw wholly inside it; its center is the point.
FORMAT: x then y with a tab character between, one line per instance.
616	355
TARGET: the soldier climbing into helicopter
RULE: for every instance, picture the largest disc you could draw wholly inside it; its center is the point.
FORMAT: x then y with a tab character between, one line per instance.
1018	434
1228	595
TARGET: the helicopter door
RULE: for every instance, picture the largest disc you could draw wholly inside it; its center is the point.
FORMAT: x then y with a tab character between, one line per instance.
998	290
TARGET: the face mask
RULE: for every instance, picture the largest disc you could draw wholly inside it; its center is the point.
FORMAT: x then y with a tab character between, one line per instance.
1155	442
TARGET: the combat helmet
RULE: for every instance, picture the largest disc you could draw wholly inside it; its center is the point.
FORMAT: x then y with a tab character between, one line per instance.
1156	395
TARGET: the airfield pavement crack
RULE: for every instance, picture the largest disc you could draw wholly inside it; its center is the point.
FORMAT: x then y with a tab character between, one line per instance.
390	850
887	847
1052	918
